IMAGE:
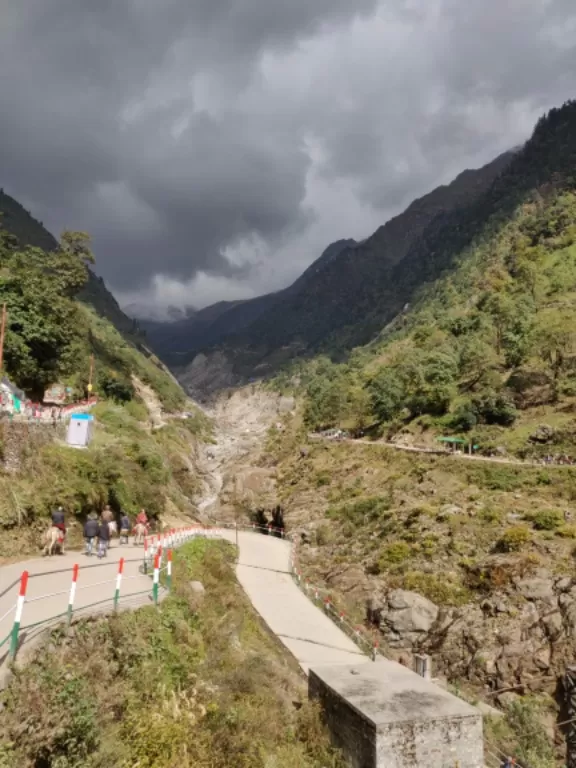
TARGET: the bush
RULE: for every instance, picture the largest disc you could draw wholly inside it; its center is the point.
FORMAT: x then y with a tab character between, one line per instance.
363	510
441	589
547	520
115	387
394	554
464	418
495	409
490	515
514	539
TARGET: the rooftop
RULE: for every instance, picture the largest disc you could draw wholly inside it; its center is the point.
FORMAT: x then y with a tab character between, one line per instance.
386	693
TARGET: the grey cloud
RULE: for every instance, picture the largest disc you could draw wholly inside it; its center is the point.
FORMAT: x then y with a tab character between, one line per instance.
175	130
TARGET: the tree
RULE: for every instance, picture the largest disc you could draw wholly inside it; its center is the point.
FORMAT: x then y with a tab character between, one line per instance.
44	328
387	394
555	337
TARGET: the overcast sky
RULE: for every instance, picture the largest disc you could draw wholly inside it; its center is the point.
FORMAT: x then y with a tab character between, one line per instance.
213	148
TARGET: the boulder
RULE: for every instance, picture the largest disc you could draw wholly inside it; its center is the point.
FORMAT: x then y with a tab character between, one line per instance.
530	387
450	509
197	587
553	625
409	614
536	589
543	434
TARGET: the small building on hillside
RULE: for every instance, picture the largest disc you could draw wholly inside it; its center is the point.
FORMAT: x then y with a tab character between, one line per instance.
80	430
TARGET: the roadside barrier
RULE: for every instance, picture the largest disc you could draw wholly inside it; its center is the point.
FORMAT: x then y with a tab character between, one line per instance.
156	560
150	562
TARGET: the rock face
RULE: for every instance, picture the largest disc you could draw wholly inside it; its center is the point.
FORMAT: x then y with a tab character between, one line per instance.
407	617
524	631
197	587
544	434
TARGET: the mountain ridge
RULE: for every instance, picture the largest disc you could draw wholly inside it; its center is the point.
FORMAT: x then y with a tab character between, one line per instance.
15	219
339	294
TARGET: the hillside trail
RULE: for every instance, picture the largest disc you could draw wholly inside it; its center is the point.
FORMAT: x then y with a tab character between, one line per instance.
152	403
445	454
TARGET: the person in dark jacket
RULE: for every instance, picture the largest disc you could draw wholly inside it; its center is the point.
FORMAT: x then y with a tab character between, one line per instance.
103	538
58	519
124	528
91	529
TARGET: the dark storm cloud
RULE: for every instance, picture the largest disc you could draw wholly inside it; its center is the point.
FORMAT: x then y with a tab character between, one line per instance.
68	76
234	138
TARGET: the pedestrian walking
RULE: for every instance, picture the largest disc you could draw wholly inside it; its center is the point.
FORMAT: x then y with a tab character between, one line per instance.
124	528
91	530
103	539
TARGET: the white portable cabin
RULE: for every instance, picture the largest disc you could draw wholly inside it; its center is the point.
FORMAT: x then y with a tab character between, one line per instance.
80	430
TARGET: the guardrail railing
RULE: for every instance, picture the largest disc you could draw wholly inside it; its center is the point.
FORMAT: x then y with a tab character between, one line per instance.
156	559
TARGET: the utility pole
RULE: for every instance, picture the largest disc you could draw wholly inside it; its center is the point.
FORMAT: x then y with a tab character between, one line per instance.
89	387
2	332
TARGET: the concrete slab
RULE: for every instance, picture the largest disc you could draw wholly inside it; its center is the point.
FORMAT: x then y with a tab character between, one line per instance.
383	715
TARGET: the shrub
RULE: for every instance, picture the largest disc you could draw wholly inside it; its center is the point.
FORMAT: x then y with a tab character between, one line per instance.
567	531
441	589
495	409
490	515
322	479
547	520
464	418
514	539
394	554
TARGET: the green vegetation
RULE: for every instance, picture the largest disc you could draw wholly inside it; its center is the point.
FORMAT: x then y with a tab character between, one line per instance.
522	732
127	465
50	336
489	338
197	683
16	220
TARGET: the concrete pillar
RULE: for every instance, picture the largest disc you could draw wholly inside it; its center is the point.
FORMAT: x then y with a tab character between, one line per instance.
423	666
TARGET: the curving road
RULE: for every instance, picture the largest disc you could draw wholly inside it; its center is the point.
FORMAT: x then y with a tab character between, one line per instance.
49	587
263	571
312	638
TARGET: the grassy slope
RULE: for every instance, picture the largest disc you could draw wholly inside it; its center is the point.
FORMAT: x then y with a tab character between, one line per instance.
377	519
127	465
195	684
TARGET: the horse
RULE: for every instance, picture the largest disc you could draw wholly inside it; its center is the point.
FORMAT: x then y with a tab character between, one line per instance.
140	530
54	539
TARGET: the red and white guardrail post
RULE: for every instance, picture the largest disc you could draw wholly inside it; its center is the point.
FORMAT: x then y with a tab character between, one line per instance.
72	594
169	571
118	583
18	615
156	580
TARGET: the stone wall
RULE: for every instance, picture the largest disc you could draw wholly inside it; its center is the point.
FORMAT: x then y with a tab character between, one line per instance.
16	438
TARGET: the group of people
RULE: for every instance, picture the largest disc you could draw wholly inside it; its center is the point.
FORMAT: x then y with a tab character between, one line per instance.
562	460
99	530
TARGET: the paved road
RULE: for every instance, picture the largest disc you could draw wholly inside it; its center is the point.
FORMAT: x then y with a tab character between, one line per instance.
52	576
264	573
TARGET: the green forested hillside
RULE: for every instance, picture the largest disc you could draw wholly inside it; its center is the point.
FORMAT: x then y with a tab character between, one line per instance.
16	220
141	452
496	335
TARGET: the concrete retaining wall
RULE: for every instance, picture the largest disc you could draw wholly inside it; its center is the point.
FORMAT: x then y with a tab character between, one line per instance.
383	715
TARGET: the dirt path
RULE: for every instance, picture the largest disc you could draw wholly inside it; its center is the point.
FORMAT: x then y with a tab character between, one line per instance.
445	454
151	401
